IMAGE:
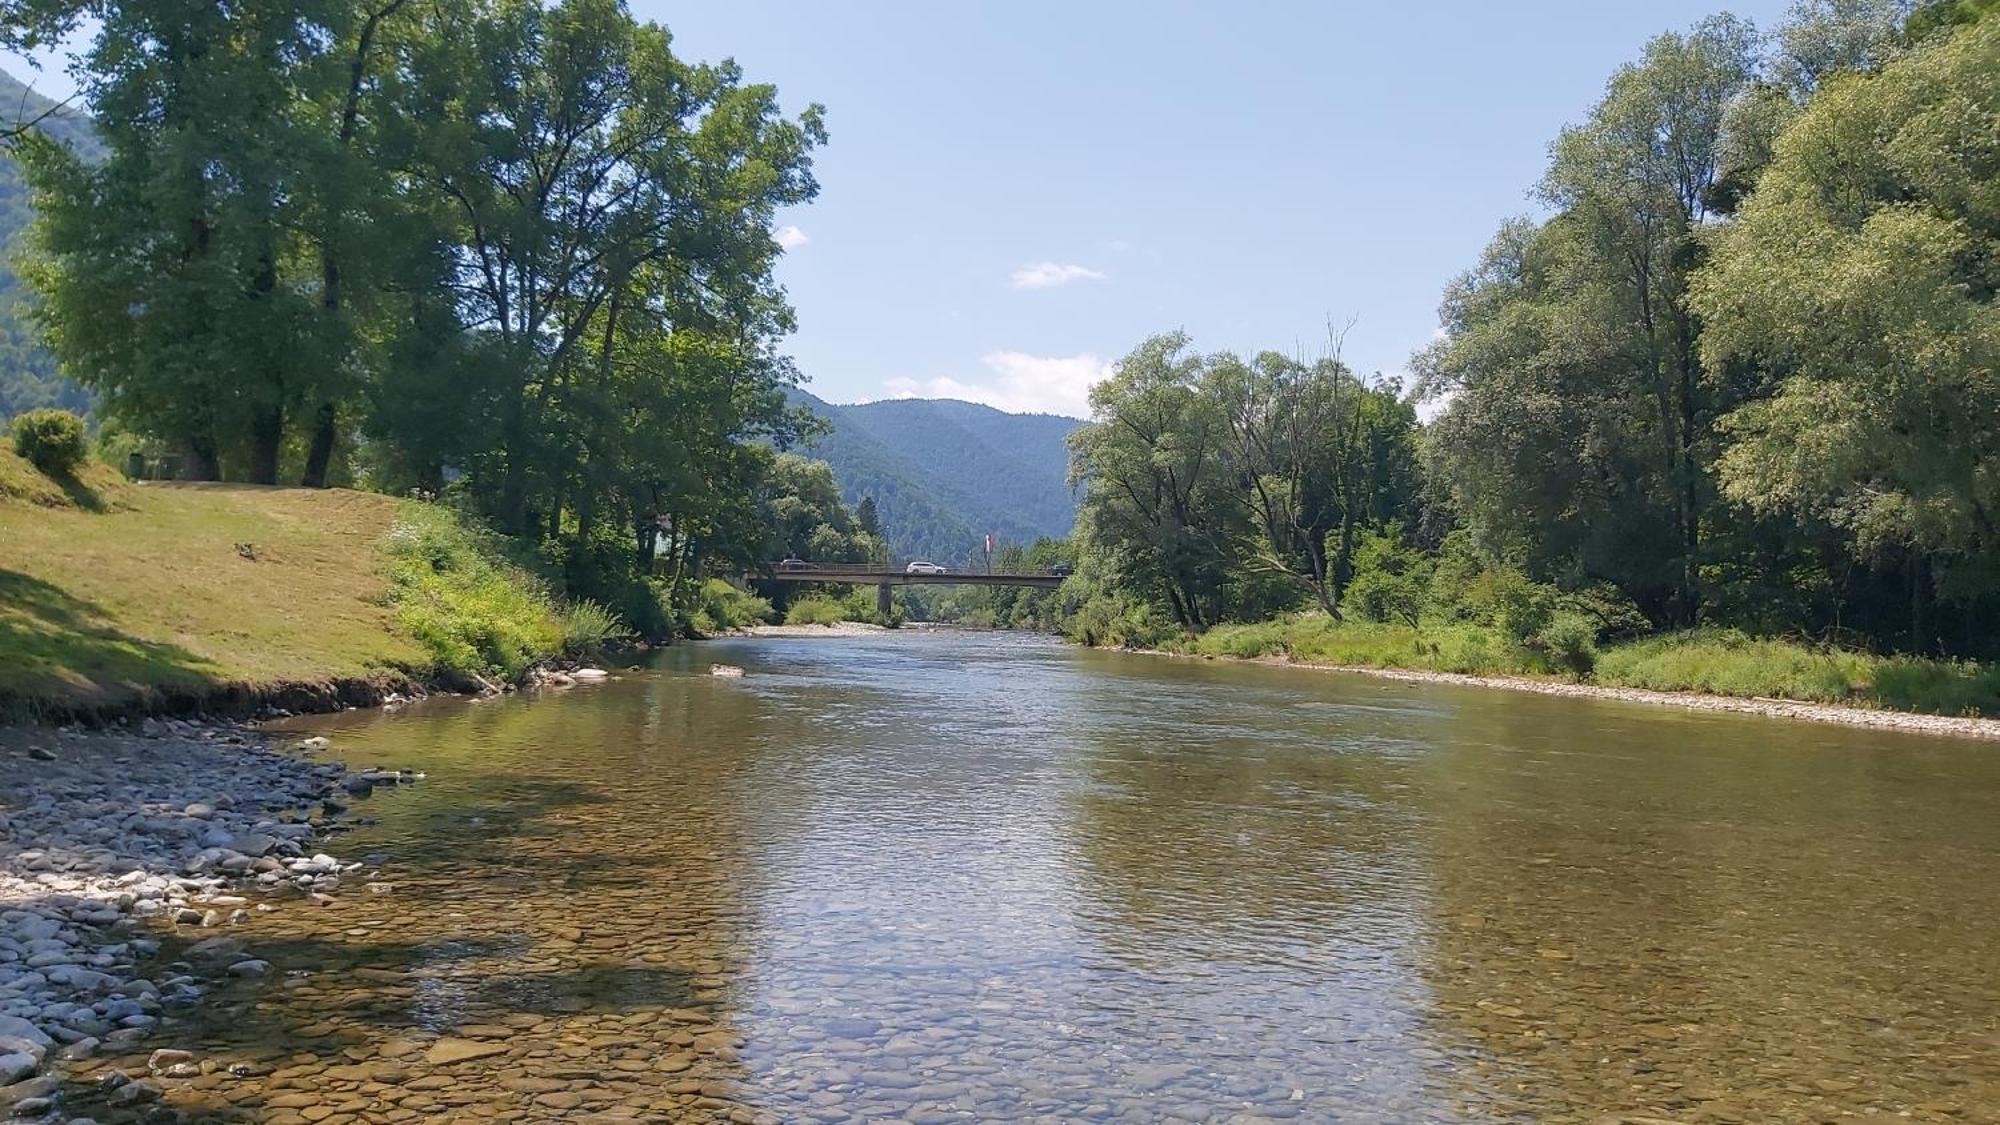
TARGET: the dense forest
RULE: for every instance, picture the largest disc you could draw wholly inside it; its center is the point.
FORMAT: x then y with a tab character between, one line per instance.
1738	375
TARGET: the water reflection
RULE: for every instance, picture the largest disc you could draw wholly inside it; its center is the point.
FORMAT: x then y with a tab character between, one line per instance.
927	877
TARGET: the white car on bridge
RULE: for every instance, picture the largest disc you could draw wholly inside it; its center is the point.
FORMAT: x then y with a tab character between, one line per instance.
922	567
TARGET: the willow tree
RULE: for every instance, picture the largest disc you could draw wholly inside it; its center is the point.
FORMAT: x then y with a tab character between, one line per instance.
1863	273
1581	425
1321	456
1157	500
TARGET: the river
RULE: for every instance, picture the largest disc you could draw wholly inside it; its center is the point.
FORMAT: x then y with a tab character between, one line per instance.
944	876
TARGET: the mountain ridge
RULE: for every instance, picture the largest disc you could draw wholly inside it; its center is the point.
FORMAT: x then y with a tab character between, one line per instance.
945	472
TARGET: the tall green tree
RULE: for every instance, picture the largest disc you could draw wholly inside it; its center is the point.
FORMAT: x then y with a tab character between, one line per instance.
1323	457
1862	274
607	197
1157	502
168	270
1580	430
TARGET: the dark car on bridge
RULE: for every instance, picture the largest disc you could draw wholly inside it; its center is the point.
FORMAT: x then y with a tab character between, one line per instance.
1062	570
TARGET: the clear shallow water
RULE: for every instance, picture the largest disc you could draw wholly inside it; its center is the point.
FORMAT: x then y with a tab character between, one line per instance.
970	877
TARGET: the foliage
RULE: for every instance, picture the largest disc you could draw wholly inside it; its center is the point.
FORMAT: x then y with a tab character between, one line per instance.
1569	640
588	628
819	609
801	508
522	248
826	609
1324	458
723	605
1861	276
1579	431
1392	580
51	440
452	589
1221	490
1000	607
28	375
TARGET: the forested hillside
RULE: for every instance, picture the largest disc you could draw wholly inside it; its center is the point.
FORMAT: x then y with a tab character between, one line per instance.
944	473
28	376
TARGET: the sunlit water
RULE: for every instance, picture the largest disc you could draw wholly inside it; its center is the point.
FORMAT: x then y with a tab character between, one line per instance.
945	877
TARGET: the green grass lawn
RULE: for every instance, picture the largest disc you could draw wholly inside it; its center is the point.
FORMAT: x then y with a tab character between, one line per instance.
111	590
115	591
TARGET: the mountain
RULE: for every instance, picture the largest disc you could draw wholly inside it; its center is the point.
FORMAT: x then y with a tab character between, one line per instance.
946	473
28	377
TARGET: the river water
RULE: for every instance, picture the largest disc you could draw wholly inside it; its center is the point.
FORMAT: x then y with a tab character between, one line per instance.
948	876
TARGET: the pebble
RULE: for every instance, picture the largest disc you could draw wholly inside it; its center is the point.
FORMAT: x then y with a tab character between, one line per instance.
114	832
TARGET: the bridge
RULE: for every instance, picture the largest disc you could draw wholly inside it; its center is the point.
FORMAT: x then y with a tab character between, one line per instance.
885	579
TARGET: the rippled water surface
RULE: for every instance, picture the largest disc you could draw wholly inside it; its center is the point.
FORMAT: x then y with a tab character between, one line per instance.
943	877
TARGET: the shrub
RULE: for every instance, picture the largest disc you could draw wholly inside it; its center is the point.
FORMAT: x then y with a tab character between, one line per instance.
51	440
588	627
1570	642
816	610
720	605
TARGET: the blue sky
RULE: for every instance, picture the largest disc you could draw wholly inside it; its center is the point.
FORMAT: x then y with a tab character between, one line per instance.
1017	193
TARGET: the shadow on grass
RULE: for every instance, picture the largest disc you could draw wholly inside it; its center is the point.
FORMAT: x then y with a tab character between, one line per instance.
61	653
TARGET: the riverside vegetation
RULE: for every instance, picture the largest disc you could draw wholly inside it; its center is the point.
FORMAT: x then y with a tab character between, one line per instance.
1723	422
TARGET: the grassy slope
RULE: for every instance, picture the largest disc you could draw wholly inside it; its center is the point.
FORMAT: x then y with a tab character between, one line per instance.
149	591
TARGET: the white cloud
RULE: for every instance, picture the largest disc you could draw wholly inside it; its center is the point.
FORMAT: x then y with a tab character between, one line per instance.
1048	275
1019	383
790	237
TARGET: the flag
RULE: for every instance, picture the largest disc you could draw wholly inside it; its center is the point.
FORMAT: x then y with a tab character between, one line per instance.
989	542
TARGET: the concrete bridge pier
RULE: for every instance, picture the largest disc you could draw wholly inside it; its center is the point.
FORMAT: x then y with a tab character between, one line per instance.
882	601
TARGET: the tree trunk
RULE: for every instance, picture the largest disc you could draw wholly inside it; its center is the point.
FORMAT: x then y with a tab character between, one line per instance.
320	453
202	461
267	435
1918	643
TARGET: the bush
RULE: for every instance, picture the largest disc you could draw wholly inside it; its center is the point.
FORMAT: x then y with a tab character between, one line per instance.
51	440
720	605
588	627
1569	640
816	610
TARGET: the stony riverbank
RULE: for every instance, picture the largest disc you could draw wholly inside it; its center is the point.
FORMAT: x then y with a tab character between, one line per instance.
1910	721
114	847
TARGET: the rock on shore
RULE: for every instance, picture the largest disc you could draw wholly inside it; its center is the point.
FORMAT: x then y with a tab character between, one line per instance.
109	840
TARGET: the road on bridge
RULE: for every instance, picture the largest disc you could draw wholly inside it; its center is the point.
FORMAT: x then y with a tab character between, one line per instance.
886	579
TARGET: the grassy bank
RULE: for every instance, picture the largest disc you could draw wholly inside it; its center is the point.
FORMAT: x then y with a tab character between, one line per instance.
1714	662
116	596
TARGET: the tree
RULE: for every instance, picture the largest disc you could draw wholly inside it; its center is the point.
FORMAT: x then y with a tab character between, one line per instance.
865	515
607	196
167	269
804	515
1580	429
1861	275
1323	456
1156	499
